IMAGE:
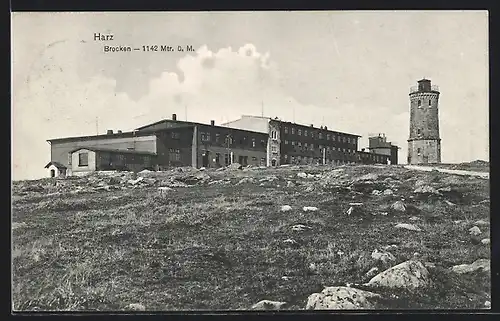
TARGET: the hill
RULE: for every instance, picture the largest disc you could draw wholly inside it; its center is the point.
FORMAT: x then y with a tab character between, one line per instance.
192	239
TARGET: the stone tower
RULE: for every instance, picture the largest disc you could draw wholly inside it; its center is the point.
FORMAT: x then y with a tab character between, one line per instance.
424	144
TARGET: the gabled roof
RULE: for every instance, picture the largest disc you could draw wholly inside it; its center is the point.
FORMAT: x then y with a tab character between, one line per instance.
112	150
56	164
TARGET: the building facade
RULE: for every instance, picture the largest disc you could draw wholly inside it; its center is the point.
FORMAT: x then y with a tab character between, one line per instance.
291	143
378	144
424	143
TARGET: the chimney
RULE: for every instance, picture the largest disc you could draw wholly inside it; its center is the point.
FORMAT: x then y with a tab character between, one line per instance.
212	122
362	149
119	131
312	125
109	132
326	128
174	117
321	127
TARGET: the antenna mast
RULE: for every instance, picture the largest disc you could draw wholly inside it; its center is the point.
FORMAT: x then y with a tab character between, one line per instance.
186	112
262	107
97	125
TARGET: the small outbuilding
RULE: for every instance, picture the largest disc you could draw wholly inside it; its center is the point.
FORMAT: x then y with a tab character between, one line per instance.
56	169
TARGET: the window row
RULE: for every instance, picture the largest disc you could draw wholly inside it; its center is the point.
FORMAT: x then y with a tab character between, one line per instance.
320	135
311	146
419	103
228	140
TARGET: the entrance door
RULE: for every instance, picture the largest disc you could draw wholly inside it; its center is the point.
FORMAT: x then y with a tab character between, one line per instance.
205	158
52	173
426	159
273	162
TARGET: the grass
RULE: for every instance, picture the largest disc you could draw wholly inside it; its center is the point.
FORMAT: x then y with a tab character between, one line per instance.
220	247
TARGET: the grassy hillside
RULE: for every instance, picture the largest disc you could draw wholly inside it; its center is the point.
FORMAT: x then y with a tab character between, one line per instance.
219	239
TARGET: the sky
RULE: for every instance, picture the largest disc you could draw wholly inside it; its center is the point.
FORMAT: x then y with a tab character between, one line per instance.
348	70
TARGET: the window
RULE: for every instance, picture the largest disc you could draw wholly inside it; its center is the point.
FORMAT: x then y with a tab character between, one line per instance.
70	158
312	146
273	148
320	147
83	159
299	144
253	142
299	132
226	159
313	134
419	103
262	142
343	149
208	137
305	133
217	158
333	137
254	159
293	130
344	139
175	135
293	143
305	145
229	140
286	142
273	134
418	151
262	161
328	148
320	135
217	137
430	102
174	154
418	131
327	136
286	130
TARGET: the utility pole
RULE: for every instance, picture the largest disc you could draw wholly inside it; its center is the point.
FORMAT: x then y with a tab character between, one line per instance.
97	125
262	108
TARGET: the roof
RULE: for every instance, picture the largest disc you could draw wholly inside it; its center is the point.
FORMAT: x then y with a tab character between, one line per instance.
134	133
112	150
56	164
316	128
190	124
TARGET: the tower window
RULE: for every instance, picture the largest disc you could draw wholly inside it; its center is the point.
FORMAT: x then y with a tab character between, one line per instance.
418	151
418	131
430	102
419	103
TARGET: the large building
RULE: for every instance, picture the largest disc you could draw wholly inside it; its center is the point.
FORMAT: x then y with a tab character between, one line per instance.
251	140
424	144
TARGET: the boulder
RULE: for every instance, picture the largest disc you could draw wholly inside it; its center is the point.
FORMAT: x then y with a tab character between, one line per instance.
485	241
136	307
478	265
384	257
410	275
341	298
409	227
309	208
474	231
426	189
398	206
268	305
286	208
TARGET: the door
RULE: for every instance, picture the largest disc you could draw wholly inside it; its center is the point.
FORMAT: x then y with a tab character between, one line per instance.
52	173
426	159
205	158
273	162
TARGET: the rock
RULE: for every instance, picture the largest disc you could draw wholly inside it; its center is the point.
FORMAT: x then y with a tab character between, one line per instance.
388	192
136	181
411	275
340	298
482	223
268	305
398	206
449	203
478	265
286	208
300	227
429	265
384	257
290	242
235	166
485	241
136	307
384	213
390	247
487	305
16	225
371	273
309	208
474	231
410	227
426	189
368	177
245	180
309	189
414	218
376	192
290	184
302	175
